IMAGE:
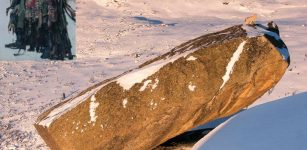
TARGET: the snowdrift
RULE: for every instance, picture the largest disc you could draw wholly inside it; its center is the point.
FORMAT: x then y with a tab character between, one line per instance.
280	124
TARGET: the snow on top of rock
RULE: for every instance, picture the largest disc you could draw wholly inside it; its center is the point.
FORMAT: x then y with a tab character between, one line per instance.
125	102
59	111
149	83
191	87
191	58
145	85
93	106
138	75
254	31
155	84
153	105
235	57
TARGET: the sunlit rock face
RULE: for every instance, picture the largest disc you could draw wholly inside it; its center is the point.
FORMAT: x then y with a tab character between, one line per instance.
206	78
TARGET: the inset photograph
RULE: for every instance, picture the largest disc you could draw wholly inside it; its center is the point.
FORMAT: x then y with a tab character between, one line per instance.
37	29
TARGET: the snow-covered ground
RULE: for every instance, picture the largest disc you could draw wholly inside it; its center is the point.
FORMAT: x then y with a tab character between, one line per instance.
114	36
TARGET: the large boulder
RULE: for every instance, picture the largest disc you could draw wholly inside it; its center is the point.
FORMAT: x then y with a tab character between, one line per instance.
206	78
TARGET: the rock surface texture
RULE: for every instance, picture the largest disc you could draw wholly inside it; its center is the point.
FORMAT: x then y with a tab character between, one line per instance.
209	77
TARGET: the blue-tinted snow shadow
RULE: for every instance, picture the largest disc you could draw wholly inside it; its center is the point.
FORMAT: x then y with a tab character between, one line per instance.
152	21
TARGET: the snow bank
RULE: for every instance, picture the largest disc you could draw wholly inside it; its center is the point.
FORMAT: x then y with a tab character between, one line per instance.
275	125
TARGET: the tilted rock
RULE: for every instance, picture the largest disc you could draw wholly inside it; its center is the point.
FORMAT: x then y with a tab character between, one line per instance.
209	77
